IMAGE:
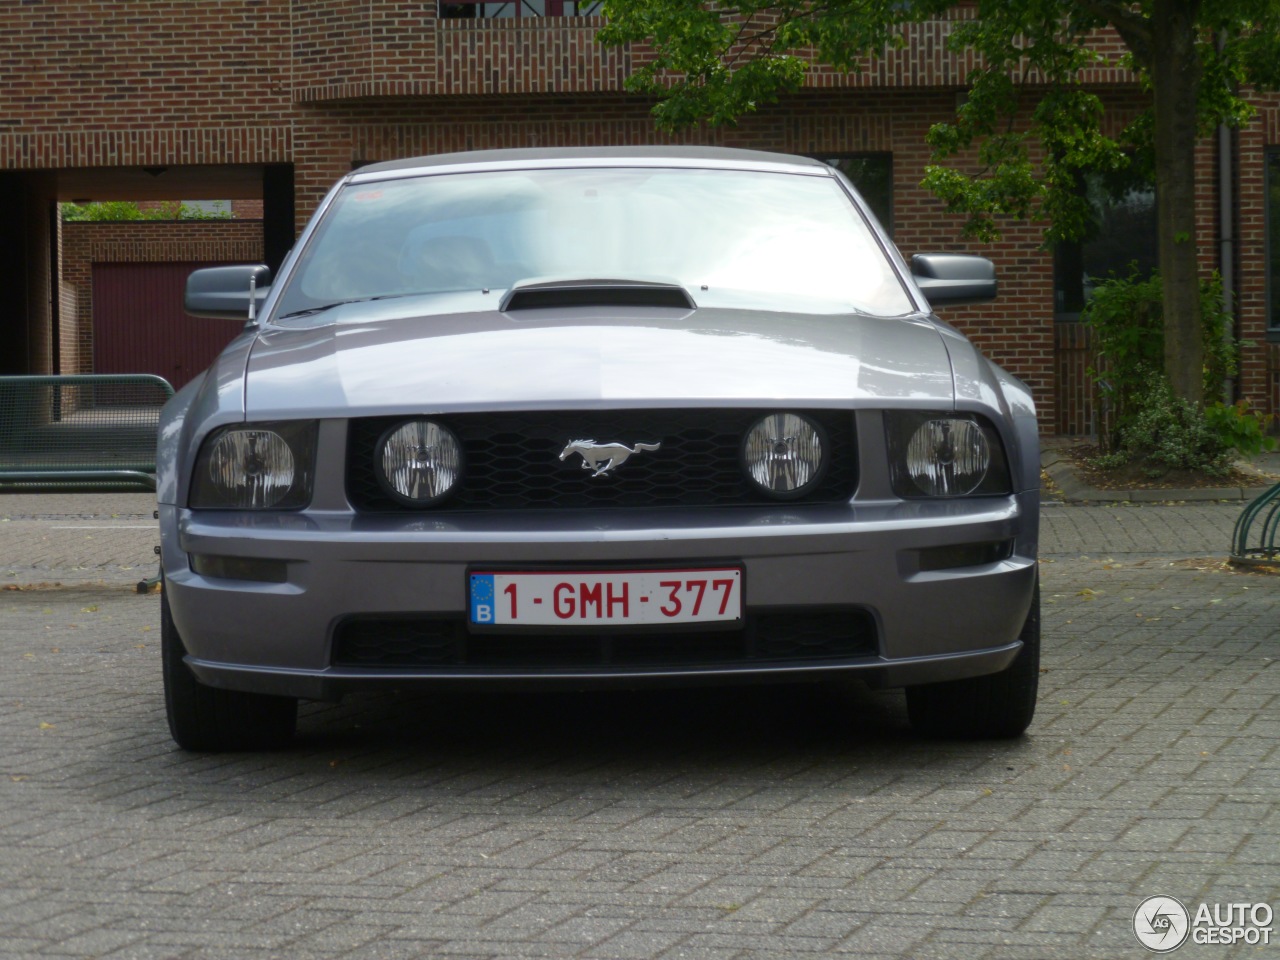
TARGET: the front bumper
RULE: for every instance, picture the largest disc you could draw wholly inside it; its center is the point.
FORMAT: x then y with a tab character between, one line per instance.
277	637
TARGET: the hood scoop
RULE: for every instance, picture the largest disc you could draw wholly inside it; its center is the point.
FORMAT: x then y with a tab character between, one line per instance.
540	294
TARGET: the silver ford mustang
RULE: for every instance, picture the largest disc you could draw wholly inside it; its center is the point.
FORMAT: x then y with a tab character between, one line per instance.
601	416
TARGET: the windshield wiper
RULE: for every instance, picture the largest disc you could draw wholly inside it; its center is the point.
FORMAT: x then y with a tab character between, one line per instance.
311	311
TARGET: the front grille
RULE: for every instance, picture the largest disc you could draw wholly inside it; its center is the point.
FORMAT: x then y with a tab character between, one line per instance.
512	460
410	643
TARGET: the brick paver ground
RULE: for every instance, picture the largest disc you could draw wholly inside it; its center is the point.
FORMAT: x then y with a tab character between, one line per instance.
723	824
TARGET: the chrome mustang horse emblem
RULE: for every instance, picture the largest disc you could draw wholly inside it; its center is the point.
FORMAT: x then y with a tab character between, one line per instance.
603	457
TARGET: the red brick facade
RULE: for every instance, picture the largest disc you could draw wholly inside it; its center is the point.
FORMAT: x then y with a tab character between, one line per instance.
325	84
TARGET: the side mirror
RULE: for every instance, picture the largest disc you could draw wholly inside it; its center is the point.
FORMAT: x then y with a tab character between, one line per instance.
954	278
223	292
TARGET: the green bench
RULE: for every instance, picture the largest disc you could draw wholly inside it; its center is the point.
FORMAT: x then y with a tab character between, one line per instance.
78	432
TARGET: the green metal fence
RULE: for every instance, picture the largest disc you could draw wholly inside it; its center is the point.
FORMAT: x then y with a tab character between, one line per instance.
75	431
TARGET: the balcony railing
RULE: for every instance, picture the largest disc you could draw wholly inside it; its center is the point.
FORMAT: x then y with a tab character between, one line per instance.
516	9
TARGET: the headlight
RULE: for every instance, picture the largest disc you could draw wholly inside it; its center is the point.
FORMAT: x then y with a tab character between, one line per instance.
265	466
945	455
418	462
784	455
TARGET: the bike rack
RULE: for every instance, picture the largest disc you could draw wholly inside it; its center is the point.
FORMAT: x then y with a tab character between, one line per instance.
1264	508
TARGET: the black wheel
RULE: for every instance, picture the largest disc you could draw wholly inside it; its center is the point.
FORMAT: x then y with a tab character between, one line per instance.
998	706
208	719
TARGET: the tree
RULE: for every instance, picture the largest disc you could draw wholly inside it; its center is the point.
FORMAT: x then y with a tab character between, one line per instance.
1030	118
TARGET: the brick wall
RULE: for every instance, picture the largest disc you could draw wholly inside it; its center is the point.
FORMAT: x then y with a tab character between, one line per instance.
390	48
149	241
324	84
91	83
145	65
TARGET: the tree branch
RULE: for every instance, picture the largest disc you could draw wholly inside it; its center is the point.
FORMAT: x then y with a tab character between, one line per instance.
1134	29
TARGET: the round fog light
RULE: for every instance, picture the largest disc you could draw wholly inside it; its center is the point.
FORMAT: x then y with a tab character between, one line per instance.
419	462
783	455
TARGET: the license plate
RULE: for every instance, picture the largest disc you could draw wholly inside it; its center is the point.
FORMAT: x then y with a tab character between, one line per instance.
615	597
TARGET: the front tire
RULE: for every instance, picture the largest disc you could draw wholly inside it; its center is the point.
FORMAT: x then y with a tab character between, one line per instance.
205	718
998	706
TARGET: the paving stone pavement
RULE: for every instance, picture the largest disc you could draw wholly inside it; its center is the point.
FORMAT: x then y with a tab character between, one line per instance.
700	824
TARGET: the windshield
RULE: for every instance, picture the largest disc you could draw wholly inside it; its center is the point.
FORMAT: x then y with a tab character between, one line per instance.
772	241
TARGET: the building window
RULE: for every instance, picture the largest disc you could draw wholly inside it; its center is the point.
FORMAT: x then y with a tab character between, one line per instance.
514	9
872	174
1273	238
1121	236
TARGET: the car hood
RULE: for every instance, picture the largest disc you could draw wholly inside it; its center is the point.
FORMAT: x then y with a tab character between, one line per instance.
585	357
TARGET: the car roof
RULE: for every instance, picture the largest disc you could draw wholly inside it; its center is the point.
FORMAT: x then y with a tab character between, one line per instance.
592	156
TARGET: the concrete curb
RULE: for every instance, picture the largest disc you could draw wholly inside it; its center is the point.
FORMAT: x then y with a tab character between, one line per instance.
1061	471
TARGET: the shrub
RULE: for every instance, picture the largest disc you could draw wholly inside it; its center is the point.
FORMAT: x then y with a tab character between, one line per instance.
1127	319
1239	427
116	210
1167	433
1149	425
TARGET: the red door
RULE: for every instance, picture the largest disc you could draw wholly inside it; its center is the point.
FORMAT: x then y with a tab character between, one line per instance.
139	325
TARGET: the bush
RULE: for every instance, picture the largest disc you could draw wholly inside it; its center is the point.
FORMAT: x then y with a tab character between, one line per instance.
1149	425
1127	319
1239	427
116	210
1167	433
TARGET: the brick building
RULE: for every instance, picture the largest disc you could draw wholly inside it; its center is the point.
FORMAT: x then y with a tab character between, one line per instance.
271	100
